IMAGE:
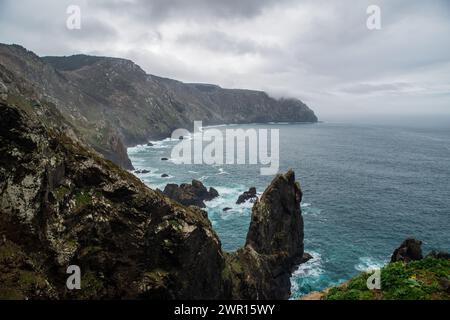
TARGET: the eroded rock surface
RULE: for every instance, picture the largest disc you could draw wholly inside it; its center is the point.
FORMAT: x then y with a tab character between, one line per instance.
63	204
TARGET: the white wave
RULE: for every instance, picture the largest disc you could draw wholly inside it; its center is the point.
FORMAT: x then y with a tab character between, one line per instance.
222	171
311	211
369	264
305	205
136	149
311	268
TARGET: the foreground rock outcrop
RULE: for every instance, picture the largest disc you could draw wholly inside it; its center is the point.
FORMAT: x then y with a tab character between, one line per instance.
63	204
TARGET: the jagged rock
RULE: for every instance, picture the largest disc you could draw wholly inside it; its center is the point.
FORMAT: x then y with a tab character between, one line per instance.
274	243
194	194
409	250
247	195
306	257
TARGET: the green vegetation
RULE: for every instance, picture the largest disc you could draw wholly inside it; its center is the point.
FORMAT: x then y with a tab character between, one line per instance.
91	286
19	282
82	198
61	192
425	279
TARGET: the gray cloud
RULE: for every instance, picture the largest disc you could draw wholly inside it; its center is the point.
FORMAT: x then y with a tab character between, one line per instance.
317	50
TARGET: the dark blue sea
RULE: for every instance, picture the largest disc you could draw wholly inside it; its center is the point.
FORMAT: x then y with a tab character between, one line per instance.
367	187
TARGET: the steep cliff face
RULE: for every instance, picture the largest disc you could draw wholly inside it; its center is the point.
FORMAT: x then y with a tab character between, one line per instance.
62	204
115	104
29	79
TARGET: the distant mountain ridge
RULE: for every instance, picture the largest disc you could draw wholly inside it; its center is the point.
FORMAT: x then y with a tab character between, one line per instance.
113	103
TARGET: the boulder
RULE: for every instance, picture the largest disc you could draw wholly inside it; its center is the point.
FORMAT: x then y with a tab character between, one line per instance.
164	159
164	175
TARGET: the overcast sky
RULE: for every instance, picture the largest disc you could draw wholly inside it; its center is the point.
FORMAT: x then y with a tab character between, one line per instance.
316	50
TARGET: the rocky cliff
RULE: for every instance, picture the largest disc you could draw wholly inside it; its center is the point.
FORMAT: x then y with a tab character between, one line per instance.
113	103
63	204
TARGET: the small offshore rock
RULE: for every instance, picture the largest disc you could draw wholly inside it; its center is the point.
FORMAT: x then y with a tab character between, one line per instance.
142	171
194	194
247	195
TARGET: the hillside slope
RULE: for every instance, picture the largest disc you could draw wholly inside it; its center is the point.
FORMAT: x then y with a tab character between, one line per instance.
113	103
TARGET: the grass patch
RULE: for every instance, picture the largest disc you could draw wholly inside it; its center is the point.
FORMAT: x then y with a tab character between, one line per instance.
418	280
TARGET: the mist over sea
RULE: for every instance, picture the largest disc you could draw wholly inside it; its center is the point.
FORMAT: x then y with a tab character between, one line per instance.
366	187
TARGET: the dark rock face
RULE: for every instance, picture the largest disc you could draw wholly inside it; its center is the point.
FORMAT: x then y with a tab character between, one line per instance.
409	250
115	104
194	194
63	204
247	195
274	242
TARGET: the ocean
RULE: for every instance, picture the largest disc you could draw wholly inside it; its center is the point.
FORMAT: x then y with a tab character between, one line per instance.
366	187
